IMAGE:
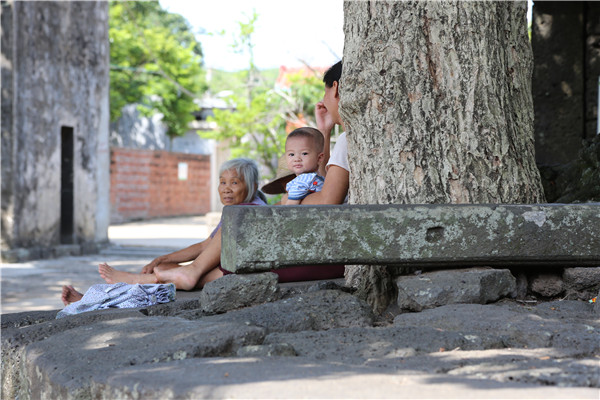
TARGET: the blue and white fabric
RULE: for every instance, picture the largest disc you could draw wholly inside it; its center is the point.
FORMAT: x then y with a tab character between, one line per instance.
120	295
303	185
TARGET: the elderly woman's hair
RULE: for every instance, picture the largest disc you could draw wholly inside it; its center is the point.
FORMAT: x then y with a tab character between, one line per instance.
247	169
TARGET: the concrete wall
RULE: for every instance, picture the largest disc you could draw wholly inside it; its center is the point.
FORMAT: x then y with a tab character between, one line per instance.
566	48
146	184
55	60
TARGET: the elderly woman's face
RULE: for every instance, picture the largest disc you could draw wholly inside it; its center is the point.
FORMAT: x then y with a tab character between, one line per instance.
232	188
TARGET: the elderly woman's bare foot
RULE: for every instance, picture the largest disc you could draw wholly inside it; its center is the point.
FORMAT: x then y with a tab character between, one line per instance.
70	295
111	275
184	278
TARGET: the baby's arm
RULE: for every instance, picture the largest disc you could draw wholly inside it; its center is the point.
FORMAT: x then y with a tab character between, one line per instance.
334	189
301	186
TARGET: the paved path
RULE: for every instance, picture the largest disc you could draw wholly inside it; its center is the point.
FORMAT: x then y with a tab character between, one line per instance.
36	285
164	232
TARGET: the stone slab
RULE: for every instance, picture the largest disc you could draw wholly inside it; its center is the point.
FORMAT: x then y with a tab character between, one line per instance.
438	288
237	291
263	238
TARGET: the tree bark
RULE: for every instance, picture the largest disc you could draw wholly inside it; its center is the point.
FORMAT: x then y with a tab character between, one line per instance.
436	101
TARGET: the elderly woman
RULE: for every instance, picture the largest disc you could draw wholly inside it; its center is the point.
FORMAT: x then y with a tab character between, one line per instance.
238	185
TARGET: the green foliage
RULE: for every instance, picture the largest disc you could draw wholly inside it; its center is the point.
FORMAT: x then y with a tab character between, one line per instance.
259	124
226	81
236	81
155	61
304	93
263	113
243	42
254	132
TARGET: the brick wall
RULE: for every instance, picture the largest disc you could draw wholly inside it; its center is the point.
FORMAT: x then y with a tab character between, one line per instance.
145	184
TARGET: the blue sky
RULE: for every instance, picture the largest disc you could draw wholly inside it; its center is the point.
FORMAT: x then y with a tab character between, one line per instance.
286	31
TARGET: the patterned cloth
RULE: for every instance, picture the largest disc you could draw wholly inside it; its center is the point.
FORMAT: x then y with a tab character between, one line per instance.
120	295
303	185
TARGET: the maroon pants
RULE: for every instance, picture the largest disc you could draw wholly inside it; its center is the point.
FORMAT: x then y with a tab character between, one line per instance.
305	272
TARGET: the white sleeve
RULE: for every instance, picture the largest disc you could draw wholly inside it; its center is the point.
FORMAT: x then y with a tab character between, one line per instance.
339	155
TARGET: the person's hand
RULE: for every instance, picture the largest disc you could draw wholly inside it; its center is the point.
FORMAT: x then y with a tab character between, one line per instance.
149	268
323	118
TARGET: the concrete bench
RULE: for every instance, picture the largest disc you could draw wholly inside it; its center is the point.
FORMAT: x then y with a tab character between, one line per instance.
262	238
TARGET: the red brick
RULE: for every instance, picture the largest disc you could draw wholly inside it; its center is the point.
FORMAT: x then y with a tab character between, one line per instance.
145	183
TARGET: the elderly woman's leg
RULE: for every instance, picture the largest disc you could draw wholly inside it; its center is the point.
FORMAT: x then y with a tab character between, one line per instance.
210	276
111	275
203	269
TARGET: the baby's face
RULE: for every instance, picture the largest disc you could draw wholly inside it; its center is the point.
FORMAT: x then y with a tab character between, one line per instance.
301	155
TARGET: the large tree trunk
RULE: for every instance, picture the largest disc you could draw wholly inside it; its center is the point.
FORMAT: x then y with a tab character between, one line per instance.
436	100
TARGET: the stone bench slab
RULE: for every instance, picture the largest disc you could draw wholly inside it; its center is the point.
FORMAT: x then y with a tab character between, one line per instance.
270	237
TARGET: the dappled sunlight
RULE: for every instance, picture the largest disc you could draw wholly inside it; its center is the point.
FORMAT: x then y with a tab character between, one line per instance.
227	361
149	231
130	266
37	285
243	377
96	342
379	348
566	89
109	339
544	25
118	322
559	60
16	306
64	282
6	266
42	299
165	361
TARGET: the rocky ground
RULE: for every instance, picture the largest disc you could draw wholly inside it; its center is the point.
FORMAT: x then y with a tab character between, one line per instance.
249	337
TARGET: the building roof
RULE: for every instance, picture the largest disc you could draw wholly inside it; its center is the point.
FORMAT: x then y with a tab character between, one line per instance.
283	80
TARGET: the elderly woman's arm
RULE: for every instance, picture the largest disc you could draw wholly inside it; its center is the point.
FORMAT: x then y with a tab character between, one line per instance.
190	253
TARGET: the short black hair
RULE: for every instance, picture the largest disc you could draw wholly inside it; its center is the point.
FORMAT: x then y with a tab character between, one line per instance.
311	133
333	74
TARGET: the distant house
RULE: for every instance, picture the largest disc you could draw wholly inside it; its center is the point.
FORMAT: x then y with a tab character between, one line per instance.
191	142
135	131
283	79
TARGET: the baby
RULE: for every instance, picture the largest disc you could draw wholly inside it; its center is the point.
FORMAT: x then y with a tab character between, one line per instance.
304	153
